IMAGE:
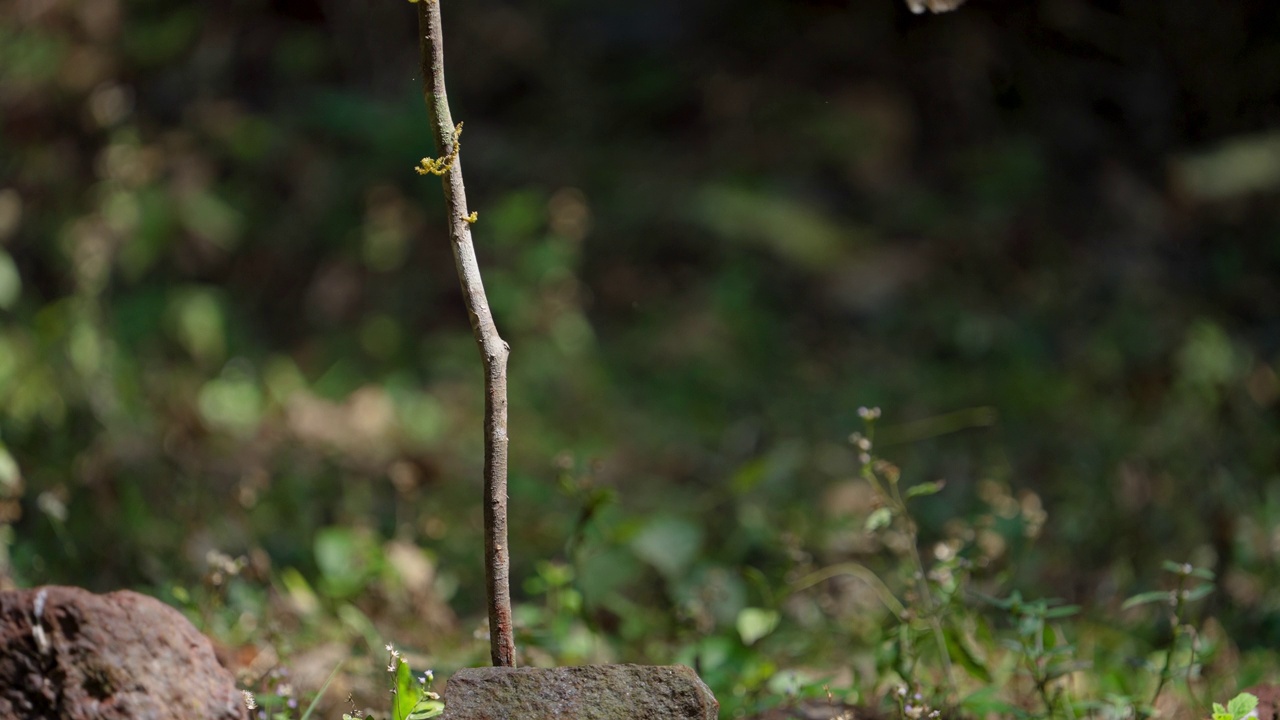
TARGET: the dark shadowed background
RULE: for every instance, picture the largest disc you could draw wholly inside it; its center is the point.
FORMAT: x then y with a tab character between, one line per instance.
1042	235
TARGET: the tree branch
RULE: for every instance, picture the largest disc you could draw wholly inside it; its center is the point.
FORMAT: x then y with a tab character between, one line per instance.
493	350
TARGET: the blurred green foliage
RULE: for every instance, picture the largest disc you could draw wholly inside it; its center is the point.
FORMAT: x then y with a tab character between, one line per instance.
710	231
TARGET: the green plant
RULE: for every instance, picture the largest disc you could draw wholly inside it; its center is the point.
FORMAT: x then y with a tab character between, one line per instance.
1241	706
280	702
411	697
1046	655
1176	601
885	478
912	705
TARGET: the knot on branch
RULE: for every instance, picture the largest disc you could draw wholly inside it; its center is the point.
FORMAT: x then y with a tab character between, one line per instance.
440	166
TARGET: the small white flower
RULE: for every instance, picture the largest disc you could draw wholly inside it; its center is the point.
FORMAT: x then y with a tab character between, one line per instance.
249	702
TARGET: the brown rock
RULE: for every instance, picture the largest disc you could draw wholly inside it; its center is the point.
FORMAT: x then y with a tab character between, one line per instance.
590	692
68	654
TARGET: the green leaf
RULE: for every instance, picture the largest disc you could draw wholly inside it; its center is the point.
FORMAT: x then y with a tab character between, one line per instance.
408	691
1061	612
320	693
427	709
879	519
1057	671
799	233
986	703
10	475
1013	601
1198	592
958	647
299	591
231	402
924	489
343	558
755	623
197	320
749	476
1203	573
1187	570
1146	598
10	282
1242	705
669	543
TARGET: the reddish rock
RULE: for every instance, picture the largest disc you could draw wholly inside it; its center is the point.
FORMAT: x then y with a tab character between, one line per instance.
68	654
590	692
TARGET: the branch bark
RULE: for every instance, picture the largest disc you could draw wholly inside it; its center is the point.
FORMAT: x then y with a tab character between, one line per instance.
493	350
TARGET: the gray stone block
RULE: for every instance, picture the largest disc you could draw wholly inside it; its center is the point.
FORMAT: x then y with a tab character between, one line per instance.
589	692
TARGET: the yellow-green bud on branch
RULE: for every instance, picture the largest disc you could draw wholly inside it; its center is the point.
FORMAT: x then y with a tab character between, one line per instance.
440	166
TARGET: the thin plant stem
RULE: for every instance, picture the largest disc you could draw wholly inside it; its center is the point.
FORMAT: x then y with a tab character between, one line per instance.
493	350
1179	603
894	495
935	624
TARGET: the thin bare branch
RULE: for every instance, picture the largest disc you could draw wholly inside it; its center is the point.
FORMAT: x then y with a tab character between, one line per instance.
493	350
